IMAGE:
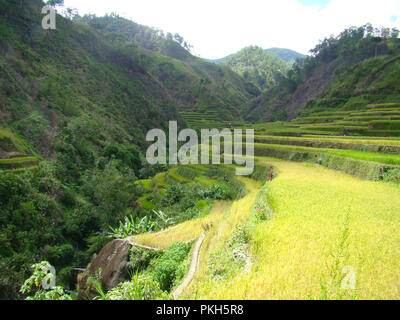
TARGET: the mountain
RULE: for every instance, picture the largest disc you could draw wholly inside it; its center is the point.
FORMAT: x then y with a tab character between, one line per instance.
257	66
192	82
356	68
286	55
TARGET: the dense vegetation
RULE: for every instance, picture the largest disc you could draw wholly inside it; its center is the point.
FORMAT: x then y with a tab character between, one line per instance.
358	67
84	101
194	84
256	65
76	103
286	55
323	228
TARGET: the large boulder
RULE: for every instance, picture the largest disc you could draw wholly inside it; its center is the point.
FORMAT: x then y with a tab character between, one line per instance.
113	261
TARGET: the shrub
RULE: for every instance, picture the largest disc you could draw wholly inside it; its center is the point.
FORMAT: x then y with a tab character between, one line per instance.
359	168
139	288
141	258
392	175
33	285
386	124
167	268
239	237
132	226
164	273
217	192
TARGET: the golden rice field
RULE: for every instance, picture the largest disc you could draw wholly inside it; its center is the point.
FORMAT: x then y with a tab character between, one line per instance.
327	228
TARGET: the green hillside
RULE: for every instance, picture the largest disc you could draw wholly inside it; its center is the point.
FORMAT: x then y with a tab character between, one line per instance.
287	55
75	106
193	83
356	68
256	65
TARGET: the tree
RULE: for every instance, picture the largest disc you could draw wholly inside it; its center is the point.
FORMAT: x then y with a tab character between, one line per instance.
187	46
70	13
370	30
395	33
385	33
178	38
55	3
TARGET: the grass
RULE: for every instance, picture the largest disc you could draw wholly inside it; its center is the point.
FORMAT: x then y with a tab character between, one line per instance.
216	238
206	181
172	174
23	159
324	221
360	155
186	231
146	184
160	180
9	142
350	140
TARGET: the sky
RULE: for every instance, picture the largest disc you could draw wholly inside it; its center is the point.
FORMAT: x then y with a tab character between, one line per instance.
217	28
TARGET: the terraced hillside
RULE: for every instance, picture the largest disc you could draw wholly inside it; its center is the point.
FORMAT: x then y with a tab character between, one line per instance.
212	178
377	120
209	118
298	237
355	68
14	155
368	158
301	236
312	233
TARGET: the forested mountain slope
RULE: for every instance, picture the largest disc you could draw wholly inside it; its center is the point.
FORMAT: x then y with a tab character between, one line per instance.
72	82
193	82
359	67
256	65
287	55
81	101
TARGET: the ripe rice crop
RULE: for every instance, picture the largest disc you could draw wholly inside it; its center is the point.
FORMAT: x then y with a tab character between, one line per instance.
325	223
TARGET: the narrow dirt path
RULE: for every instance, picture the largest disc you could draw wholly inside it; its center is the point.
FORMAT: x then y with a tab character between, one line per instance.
217	236
192	270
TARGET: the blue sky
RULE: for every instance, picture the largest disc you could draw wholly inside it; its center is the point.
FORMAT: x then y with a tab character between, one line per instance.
217	28
320	3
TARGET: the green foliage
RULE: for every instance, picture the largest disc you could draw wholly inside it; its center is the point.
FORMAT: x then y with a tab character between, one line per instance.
239	237
356	68
257	66
140	259
165	221
33	285
112	192
225	264
55	2
217	192
385	124
287	55
167	269
392	175
261	209
129	157
139	288
131	226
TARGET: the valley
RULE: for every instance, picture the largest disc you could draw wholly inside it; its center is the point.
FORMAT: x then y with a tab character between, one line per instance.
317	219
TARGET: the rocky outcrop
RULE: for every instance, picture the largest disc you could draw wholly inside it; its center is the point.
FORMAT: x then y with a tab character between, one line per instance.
112	264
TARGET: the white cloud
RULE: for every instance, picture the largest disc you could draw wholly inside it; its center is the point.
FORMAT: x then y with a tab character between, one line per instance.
217	28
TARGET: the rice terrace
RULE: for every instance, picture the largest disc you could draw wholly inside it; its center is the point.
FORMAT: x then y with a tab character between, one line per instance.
133	169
